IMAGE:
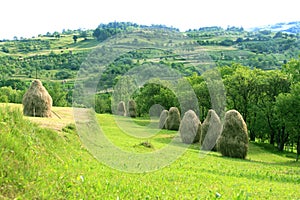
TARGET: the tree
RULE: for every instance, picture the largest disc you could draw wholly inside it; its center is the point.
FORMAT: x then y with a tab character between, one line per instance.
292	68
272	83
84	35
75	37
243	92
287	107
58	94
152	94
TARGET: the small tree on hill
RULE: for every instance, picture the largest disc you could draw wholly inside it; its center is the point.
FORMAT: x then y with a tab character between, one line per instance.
75	37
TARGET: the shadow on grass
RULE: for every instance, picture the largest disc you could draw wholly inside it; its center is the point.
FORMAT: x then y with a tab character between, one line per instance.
272	149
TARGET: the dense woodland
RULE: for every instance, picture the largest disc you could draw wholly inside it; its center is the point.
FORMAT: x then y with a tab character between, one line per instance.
260	72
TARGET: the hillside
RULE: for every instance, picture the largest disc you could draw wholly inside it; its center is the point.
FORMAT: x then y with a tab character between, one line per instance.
58	56
38	163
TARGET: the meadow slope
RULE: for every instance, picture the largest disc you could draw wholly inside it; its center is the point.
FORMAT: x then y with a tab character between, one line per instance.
43	163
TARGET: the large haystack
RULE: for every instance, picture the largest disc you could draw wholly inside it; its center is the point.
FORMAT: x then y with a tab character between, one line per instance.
162	119
132	109
190	128
211	130
36	101
233	141
121	108
173	120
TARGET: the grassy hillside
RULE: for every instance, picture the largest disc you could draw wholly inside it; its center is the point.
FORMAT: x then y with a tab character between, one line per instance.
39	163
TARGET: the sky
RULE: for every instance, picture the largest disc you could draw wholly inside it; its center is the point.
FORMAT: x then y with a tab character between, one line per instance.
27	18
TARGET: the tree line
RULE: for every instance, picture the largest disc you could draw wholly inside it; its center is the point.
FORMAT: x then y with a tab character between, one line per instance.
267	99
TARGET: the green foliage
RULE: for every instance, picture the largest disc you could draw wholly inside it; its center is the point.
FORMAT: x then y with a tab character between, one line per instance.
103	103
61	75
292	68
9	95
287	106
152	94
58	93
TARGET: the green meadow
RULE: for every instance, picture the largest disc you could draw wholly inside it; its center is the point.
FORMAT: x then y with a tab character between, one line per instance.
40	160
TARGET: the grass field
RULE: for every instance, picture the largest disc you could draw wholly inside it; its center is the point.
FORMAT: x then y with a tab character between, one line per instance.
52	163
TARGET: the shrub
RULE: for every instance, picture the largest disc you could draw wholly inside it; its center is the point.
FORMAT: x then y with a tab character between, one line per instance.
211	129
233	141
190	128
173	120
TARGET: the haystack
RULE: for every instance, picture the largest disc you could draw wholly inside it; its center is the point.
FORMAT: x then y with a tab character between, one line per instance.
210	131
233	141
190	128
36	101
162	119
173	120
132	109
121	108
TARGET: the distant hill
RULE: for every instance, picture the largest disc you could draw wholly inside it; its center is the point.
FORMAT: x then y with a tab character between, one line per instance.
288	27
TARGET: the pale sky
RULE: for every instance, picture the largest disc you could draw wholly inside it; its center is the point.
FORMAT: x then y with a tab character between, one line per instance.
27	18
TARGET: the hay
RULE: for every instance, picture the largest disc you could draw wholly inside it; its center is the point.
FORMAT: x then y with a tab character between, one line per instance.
162	119
210	131
190	128
121	108
36	101
233	141
132	109
173	120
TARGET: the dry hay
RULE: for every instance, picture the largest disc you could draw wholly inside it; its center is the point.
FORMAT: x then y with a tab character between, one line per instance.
121	108
36	101
190	128
162	119
210	131
173	120
233	141
132	109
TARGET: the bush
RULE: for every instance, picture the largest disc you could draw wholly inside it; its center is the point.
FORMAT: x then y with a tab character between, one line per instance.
233	141
190	128
173	120
211	129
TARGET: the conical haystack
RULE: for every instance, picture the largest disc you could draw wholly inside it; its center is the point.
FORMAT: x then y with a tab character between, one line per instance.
121	108
173	120
36	101
233	141
162	119
132	109
211	130
190	128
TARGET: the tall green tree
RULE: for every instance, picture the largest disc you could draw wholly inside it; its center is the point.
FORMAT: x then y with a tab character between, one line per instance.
288	107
